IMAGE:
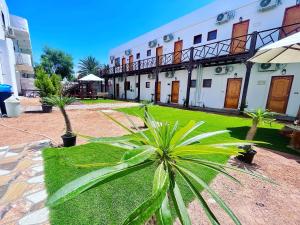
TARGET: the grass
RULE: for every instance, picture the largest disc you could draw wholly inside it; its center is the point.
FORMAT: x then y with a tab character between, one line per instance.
109	204
97	101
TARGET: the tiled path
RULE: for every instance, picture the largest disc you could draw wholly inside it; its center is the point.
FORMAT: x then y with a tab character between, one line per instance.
22	190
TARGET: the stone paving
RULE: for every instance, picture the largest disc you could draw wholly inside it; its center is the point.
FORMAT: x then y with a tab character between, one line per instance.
22	190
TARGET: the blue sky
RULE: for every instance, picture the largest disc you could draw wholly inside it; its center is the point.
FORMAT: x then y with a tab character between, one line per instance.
92	27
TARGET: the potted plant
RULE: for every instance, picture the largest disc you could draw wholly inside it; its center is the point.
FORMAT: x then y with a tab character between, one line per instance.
259	116
69	138
48	86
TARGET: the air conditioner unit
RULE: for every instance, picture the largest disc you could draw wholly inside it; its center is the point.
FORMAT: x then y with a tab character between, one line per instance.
168	37
170	74
152	44
10	33
221	70
225	17
120	79
128	52
265	67
151	76
265	5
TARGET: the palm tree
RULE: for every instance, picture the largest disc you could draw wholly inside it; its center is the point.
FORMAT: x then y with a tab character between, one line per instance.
88	66
61	102
258	116
170	149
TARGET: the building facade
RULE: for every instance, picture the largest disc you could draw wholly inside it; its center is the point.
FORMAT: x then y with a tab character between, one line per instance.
16	67
200	60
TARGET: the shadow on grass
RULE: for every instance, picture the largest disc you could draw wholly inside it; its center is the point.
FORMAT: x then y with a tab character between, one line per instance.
270	136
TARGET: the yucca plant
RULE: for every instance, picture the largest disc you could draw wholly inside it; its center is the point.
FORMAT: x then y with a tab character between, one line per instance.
169	148
259	116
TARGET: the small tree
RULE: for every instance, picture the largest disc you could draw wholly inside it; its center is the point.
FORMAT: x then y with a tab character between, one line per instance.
61	102
258	116
44	83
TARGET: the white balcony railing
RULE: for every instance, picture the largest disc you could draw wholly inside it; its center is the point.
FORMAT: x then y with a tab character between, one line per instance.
23	59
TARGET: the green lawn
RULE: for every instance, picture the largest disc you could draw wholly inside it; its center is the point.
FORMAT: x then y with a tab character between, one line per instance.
97	101
110	203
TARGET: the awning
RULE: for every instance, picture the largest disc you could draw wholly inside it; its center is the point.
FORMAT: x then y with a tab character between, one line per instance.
25	69
286	50
91	77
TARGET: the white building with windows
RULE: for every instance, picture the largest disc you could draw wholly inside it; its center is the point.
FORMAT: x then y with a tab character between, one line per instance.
200	60
16	67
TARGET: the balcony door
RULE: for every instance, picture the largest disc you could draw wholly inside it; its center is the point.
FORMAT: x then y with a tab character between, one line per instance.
131	63
239	37
159	55
291	16
123	64
178	51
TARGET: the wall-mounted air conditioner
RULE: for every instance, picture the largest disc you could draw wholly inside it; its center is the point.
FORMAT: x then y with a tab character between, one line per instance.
170	74
152	44
10	33
120	79
221	70
265	5
225	17
151	76
128	52
265	67
168	37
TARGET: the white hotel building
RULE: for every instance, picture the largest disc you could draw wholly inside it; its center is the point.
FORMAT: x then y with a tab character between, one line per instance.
16	68
200	60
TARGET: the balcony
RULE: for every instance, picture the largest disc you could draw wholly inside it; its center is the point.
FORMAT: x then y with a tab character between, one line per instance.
233	50
24	63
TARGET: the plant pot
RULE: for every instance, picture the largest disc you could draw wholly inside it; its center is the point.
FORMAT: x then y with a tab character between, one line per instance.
248	155
69	140
46	108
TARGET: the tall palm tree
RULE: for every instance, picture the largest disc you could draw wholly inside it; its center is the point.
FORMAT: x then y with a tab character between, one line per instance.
88	66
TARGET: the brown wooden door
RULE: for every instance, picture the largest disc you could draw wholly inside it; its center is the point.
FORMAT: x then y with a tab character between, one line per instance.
178	51
291	16
117	90
158	90
239	37
123	64
175	92
159	55
233	92
279	93
131	63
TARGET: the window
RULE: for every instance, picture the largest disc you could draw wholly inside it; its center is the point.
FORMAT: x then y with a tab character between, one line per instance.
3	20
147	84
138	55
117	62
197	39
207	83
127	87
193	83
212	35
137	85
149	52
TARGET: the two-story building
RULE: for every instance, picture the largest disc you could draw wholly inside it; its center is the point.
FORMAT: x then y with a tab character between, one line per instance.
201	59
16	67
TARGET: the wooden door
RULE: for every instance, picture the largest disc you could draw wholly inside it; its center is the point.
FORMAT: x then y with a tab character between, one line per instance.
158	90
131	63
239	37
233	92
178	51
175	92
159	55
123	64
291	16
279	93
117	90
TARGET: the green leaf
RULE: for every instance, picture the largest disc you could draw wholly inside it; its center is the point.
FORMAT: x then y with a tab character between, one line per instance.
163	215
179	204
202	136
103	175
215	196
134	152
149	207
202	201
159	178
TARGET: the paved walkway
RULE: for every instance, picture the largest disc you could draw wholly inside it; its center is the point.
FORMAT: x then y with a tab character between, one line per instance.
22	190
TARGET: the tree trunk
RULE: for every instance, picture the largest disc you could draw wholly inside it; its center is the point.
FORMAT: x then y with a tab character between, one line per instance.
145	116
152	221
67	121
252	132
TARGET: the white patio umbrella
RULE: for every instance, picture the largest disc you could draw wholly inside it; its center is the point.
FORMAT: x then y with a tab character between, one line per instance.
91	77
286	50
